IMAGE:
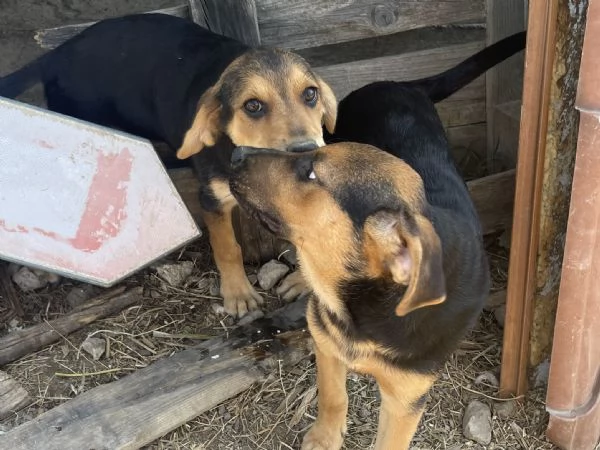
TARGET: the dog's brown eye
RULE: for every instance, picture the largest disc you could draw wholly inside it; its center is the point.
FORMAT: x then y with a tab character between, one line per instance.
253	106
310	95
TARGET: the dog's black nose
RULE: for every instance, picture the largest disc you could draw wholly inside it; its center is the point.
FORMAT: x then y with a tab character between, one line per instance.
238	156
304	146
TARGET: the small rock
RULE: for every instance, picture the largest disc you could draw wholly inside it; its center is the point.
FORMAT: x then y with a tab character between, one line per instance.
94	346
176	273
252	278
499	314
14	324
27	280
251	317
271	273
505	409
217	308
541	374
487	378
50	278
477	422
79	295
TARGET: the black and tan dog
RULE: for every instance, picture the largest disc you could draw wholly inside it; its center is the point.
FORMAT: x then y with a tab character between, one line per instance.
168	79
389	241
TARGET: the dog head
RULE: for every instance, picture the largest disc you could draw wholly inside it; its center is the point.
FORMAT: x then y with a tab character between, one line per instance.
265	98
352	211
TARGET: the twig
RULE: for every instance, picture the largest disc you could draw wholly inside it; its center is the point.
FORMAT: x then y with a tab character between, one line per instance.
85	374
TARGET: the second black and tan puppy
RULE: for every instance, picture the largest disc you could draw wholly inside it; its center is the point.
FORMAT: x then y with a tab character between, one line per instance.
168	79
391	244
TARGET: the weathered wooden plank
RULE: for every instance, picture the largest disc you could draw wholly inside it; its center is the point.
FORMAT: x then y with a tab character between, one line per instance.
12	395
306	23
22	342
141	407
347	77
232	18
504	83
506	119
53	37
493	196
468	137
391	44
461	112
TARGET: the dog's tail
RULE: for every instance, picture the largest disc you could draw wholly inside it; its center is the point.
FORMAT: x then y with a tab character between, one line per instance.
440	86
19	81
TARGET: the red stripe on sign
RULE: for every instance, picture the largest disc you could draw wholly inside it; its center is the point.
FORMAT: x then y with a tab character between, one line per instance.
105	206
17	229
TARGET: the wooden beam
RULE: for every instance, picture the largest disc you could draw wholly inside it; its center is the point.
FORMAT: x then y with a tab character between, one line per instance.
306	23
503	84
141	407
50	38
232	18
530	167
22	342
12	395
493	198
467	137
347	77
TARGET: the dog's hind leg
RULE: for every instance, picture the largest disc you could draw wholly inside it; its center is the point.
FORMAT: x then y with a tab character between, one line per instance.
403	396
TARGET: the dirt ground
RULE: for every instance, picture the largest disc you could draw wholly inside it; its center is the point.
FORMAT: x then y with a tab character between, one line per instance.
275	414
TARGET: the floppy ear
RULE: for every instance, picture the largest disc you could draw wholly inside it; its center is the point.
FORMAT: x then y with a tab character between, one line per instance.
329	105
411	253
205	128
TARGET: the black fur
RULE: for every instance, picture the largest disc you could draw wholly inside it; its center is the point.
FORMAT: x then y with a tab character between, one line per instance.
143	74
400	118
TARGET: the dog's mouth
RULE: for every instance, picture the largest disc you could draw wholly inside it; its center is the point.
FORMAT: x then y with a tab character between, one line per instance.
269	221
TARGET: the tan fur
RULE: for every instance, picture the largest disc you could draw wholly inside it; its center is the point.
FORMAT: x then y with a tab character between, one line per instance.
389	242
400	390
203	132
288	118
238	294
326	242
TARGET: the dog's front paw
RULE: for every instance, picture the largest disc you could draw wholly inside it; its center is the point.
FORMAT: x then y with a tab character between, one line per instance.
239	298
323	437
293	287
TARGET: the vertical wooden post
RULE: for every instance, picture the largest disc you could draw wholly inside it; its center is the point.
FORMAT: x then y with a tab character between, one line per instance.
232	18
532	140
504	86
548	142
